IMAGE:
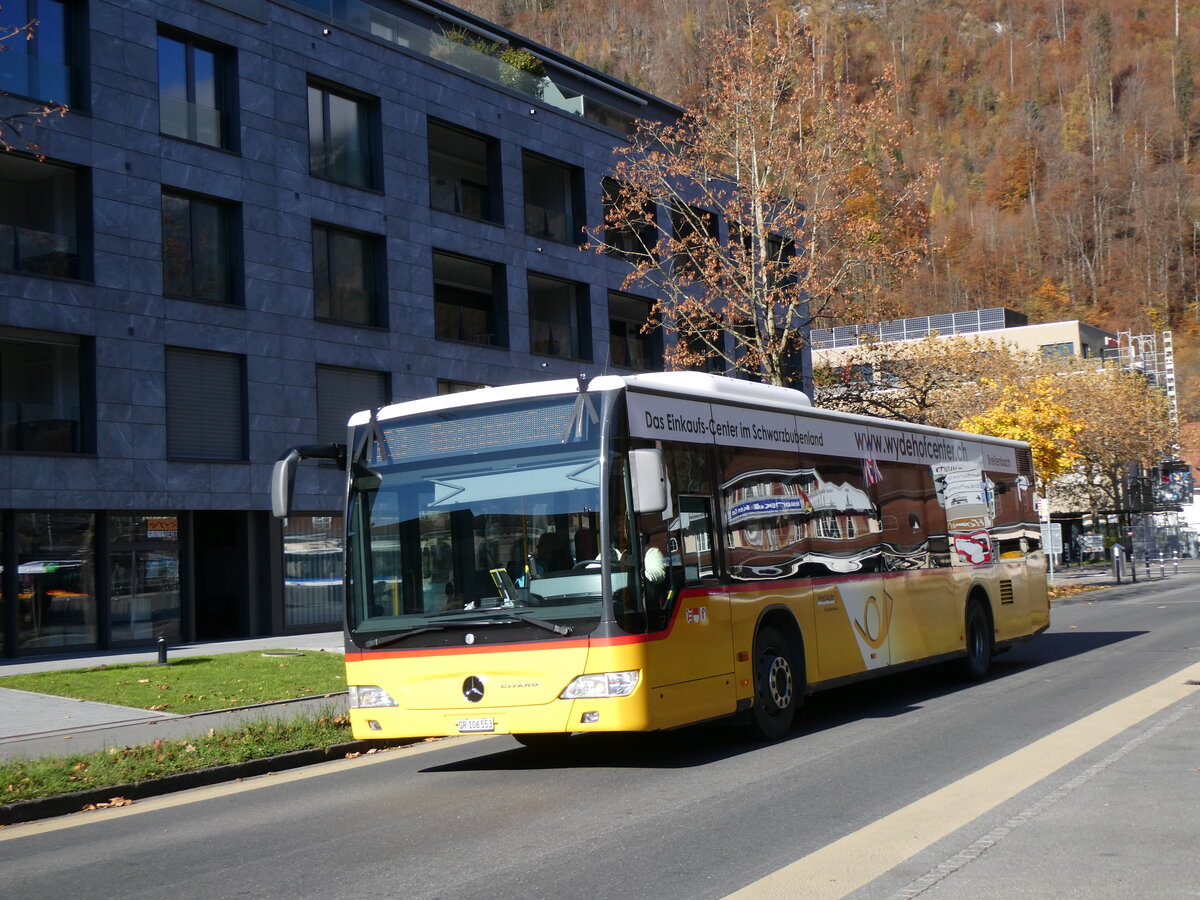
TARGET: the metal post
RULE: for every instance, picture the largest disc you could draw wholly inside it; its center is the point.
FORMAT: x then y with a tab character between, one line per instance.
162	651
1116	562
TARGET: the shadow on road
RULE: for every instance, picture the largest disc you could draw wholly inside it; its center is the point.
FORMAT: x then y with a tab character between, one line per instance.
700	745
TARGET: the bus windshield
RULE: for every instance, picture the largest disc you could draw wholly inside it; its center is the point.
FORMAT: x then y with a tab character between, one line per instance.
479	538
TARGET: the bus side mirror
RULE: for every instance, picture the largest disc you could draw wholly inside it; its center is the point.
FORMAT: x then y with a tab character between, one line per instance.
283	476
649	478
283	480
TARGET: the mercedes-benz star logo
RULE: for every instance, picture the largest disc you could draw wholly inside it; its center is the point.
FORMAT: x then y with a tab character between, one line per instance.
473	689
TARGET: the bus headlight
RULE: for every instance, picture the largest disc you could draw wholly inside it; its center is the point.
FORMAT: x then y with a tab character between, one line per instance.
607	684
365	696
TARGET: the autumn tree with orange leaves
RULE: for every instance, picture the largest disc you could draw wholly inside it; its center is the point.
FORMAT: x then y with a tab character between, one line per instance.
781	199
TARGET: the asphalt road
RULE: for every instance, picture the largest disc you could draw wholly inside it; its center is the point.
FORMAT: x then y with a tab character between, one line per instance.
1073	771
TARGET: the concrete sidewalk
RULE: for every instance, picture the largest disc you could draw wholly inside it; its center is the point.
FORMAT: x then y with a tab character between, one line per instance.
38	725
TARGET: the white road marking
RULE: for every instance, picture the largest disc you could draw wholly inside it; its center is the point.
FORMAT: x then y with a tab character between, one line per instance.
859	858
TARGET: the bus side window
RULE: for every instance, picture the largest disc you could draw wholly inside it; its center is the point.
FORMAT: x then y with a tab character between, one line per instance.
693	538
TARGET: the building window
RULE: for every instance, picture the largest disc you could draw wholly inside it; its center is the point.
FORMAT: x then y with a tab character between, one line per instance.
347	276
695	231
445	387
195	85
56	561
641	235
464	173
206	405
709	342
342	132
559	318
41	67
552	198
312	570
144	584
340	394
199	260
40	391
1063	350
469	300
40	220
628	346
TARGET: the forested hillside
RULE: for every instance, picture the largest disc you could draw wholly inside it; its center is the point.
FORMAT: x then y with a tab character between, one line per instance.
1065	135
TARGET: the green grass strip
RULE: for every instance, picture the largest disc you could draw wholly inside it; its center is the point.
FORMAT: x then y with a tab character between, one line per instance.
195	683
36	778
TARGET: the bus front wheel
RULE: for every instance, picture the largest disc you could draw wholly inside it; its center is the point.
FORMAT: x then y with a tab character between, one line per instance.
776	688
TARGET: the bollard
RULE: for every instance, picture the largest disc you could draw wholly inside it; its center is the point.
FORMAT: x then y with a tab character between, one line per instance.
162	651
1176	562
1162	567
1147	566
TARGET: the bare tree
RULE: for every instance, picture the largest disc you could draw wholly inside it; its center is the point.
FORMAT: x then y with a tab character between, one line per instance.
822	216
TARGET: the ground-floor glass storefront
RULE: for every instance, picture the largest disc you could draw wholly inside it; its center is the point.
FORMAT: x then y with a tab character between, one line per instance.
77	580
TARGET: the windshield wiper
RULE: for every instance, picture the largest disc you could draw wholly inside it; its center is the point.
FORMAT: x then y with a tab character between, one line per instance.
375	643
483	615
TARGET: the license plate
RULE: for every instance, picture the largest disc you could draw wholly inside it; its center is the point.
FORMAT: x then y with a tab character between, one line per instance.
469	726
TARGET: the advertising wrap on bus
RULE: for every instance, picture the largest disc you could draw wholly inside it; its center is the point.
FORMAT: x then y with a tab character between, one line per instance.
674	419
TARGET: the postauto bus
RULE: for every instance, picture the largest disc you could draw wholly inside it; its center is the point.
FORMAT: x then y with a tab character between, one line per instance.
643	552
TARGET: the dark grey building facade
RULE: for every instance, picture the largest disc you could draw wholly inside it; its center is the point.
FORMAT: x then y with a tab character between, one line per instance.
258	216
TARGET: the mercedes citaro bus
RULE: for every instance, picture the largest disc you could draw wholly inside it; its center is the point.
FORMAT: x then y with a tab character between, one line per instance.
643	552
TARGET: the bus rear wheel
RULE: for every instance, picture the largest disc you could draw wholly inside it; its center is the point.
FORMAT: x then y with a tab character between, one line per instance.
974	666
776	687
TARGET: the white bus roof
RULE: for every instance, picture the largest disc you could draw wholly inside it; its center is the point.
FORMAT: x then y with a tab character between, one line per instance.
700	386
693	385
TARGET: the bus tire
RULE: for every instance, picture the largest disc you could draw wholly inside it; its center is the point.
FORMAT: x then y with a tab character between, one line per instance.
543	742
776	687
978	631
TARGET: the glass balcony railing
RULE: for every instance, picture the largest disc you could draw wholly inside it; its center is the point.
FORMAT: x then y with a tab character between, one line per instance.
404	33
190	121
38	252
28	76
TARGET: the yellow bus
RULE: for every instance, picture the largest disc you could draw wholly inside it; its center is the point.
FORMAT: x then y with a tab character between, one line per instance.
644	552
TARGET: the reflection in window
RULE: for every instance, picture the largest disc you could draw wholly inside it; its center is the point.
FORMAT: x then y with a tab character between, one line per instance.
197	251
628	345
39	67
558	318
56	579
785	520
193	90
144	592
312	570
39	392
641	235
39	220
550	199
463	172
346	267
341	137
468	302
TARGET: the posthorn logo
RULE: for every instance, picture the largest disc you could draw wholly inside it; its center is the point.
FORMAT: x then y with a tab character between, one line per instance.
473	689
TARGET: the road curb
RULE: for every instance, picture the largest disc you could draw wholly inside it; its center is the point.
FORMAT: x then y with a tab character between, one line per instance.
64	804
